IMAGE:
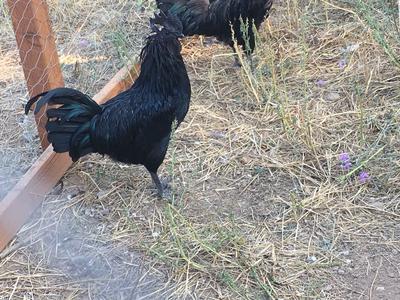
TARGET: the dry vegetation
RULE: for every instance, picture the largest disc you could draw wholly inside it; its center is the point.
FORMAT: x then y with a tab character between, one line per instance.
262	206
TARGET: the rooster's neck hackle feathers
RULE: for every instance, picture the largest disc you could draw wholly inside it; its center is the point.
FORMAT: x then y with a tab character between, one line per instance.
161	60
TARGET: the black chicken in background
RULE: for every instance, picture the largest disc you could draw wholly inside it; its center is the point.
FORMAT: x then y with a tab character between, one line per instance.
135	126
218	17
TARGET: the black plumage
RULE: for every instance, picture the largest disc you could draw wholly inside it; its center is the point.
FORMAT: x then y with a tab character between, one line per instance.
135	126
218	18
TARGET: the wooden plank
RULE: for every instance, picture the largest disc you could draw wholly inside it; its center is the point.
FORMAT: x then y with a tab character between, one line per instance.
37	50
44	174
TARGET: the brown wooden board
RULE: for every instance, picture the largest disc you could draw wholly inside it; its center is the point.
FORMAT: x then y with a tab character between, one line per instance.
44	174
37	50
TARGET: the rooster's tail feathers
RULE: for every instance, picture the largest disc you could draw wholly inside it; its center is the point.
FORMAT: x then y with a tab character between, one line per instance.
68	126
61	96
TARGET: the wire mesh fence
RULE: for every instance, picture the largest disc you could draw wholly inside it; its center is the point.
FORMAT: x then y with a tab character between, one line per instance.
36	44
25	30
37	50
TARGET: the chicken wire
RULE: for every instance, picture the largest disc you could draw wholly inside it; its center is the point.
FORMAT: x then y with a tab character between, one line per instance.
36	44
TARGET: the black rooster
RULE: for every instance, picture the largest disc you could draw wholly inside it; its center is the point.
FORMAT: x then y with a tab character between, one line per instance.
218	18
135	126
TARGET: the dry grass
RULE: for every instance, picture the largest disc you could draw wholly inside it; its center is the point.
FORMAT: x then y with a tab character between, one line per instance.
262	208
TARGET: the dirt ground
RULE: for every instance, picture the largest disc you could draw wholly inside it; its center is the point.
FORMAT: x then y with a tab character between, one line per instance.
263	206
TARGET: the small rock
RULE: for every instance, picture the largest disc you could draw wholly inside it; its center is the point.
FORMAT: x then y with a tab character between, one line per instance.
223	160
346	252
217	134
341	271
75	192
392	274
380	288
105	211
347	261
245	160
350	48
328	288
332	96
311	259
155	234
101	194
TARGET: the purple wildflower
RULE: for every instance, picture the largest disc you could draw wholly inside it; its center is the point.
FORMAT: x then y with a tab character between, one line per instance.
342	63
344	157
363	177
346	166
345	161
320	82
83	43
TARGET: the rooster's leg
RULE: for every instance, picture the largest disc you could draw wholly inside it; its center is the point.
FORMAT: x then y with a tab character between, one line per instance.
158	184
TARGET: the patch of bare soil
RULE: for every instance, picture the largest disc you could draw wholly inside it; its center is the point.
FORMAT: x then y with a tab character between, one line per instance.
78	248
370	271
